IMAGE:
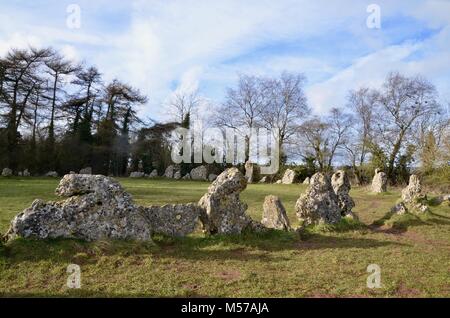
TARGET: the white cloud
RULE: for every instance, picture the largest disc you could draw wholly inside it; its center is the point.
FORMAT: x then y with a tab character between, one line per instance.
162	46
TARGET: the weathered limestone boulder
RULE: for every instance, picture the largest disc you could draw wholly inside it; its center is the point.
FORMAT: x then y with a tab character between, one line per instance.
72	172
97	207
137	174
264	179
341	186
222	210
187	176
26	173
307	180
7	172
413	190
87	170
399	208
288	177
153	174
52	174
249	169
177	175
170	171
212	177
319	204
279	182
199	173
379	182
443	198
274	214
173	219
413	199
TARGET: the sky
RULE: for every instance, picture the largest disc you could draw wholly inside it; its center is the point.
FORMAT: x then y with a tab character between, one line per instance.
166	46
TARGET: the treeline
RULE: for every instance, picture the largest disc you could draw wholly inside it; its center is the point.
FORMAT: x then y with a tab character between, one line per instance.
396	127
56	115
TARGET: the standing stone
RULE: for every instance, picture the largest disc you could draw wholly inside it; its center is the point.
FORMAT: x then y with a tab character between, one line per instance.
140	166
319	204
177	175
288	177
87	170
399	208
307	180
7	172
379	182
264	180
274	214
199	173
413	190
222	210
212	177
413	199
20	174
174	219
96	208
26	173
170	171
279	182
249	169
153	174
52	174
137	174
341	186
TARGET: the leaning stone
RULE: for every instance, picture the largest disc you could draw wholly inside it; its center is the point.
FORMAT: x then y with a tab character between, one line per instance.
174	220
319	204
222	210
274	214
7	172
379	182
288	177
199	173
341	186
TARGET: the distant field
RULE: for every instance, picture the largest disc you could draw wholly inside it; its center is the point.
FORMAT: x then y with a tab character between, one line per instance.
413	252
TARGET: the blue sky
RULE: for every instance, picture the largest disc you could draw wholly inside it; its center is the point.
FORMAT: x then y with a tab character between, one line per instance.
163	46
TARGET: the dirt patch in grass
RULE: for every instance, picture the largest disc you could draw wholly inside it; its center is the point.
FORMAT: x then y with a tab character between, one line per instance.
229	275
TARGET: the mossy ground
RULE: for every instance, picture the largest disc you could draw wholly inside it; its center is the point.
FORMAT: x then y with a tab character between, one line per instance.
412	251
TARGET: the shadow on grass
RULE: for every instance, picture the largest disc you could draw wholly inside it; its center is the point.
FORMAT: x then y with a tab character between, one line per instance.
247	246
402	222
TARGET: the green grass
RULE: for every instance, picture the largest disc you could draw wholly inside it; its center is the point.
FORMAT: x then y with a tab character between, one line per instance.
412	251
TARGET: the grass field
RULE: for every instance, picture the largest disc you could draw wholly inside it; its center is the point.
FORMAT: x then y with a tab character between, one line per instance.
412	252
